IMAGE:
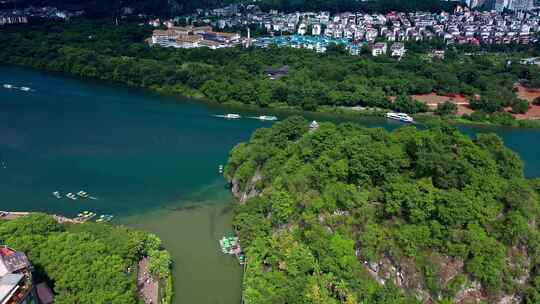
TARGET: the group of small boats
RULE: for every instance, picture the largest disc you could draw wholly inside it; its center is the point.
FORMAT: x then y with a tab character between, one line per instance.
237	116
12	87
86	216
80	194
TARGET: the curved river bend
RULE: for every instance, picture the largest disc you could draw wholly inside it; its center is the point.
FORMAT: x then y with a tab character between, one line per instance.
151	160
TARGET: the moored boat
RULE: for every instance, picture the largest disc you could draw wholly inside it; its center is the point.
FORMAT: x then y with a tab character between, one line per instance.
403	117
83	194
57	194
71	196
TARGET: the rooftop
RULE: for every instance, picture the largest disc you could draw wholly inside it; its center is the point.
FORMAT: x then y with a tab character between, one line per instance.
15	276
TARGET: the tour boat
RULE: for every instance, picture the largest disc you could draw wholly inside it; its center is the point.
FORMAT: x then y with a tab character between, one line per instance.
57	194
399	116
268	118
229	116
26	89
8	86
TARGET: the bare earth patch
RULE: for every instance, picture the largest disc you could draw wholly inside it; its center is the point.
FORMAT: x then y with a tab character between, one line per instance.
533	113
526	93
433	99
529	95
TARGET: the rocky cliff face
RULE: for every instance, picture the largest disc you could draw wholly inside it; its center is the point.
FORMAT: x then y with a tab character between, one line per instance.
250	190
405	275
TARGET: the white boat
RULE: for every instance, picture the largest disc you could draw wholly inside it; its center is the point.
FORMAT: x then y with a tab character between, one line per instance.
71	196
83	194
267	118
229	116
26	89
403	117
8	86
57	194
220	168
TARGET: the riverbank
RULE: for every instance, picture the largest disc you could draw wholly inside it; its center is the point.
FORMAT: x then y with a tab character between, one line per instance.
338	111
202	273
60	219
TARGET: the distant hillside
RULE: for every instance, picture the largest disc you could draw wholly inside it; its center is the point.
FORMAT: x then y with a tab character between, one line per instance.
102	8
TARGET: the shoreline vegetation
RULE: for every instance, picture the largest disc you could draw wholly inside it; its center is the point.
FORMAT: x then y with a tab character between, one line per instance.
348	214
333	82
90	262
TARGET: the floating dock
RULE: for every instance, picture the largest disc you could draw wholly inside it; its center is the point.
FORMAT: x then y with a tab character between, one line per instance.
231	245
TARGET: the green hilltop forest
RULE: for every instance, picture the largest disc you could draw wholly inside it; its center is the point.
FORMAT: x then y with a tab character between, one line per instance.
347	214
87	263
100	50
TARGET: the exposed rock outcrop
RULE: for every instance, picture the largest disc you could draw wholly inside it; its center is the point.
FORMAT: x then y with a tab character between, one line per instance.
250	189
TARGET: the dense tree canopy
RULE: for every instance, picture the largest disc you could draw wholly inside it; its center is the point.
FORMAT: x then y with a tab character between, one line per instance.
339	204
88	263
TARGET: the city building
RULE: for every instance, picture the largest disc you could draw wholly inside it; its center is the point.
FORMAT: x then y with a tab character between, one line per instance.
379	49
193	37
439	54
16	285
317	30
397	50
517	5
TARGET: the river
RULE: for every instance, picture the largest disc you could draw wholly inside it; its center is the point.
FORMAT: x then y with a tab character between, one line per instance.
151	160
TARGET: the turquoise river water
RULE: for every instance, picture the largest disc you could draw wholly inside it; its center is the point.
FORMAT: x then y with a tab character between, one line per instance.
151	160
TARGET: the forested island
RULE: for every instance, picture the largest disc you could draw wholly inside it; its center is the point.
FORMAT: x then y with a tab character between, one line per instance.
88	263
324	82
347	214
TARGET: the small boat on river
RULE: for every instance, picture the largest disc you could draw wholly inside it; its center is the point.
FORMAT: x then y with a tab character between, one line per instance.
26	89
266	118
229	116
71	196
105	218
8	86
57	194
403	117
220	168
83	194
